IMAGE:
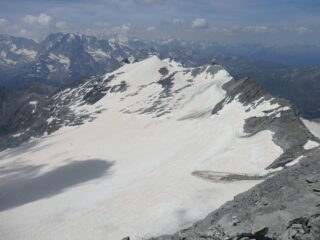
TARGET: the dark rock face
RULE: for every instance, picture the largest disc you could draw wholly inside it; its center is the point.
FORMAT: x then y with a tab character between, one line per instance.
95	94
259	235
246	91
167	84
303	228
23	114
163	71
289	132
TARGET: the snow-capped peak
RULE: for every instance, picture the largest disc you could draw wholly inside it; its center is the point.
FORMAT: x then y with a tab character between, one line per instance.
151	137
151	87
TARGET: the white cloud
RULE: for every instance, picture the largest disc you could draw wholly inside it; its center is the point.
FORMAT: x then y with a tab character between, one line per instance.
3	22
257	29
102	29
61	25
13	29
121	29
102	24
177	22
150	29
302	30
199	23
42	20
23	31
213	30
5	26
44	23
238	29
150	1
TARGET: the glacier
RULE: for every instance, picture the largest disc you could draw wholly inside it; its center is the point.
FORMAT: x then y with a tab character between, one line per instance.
128	169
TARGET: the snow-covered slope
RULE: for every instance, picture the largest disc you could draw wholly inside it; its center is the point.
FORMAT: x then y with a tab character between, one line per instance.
313	126
142	151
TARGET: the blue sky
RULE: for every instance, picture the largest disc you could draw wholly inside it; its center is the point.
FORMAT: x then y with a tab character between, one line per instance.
261	21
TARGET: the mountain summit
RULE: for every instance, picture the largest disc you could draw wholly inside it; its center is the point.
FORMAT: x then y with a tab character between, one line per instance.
144	150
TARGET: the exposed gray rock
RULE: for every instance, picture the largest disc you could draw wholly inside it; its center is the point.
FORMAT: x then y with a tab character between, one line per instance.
289	132
167	83
163	71
226	177
23	114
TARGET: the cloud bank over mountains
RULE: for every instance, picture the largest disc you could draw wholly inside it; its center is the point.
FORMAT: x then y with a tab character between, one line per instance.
269	21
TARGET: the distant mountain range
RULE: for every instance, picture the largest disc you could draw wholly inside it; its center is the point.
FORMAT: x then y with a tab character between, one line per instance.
62	58
58	59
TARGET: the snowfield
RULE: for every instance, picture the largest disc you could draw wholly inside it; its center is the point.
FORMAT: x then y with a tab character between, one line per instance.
129	173
314	127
